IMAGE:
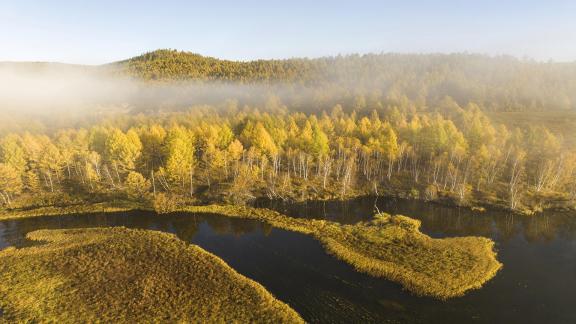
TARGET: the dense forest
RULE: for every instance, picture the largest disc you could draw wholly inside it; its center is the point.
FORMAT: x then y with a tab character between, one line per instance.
421	126
238	154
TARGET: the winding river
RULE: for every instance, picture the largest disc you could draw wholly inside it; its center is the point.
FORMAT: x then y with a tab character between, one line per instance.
536	285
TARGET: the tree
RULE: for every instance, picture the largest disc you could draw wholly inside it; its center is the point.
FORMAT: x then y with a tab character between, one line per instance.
255	135
234	152
51	163
10	183
180	157
515	177
32	183
152	139
11	152
389	146
543	157
320	146
136	185
122	150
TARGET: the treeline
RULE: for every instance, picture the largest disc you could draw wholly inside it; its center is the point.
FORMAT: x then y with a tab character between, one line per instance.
237	154
494	83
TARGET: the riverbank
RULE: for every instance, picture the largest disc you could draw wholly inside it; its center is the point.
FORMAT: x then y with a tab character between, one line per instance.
475	205
532	202
164	202
88	208
126	275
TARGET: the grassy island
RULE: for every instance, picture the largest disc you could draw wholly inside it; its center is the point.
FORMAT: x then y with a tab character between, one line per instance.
392	247
130	276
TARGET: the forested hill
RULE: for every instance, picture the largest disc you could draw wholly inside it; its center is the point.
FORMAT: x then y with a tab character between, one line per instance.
169	65
495	83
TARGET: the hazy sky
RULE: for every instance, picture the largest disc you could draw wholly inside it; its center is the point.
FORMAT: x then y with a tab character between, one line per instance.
101	31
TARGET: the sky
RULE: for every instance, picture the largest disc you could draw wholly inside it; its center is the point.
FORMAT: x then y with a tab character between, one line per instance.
97	32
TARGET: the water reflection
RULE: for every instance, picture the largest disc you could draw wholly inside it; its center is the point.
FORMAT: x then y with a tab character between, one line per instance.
438	220
185	226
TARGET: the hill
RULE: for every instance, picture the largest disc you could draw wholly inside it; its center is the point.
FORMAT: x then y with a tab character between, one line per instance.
170	65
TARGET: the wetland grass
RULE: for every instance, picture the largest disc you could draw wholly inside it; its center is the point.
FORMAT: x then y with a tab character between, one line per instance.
103	207
129	276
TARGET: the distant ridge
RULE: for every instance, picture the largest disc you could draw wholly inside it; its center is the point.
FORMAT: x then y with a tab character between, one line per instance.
501	83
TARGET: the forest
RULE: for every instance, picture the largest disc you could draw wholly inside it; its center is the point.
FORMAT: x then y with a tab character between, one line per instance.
430	127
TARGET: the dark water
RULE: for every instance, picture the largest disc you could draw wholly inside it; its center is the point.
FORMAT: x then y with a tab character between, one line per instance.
536	285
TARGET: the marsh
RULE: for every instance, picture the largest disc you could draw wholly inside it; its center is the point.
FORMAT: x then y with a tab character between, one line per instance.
537	281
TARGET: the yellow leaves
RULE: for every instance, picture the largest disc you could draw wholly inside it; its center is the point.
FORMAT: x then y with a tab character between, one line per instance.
10	179
136	185
180	153
255	135
123	148
152	138
235	150
11	152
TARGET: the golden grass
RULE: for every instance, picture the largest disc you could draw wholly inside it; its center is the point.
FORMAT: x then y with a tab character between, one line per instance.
392	247
103	207
131	276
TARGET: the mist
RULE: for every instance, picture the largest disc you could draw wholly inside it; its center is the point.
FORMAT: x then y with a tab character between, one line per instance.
53	91
49	89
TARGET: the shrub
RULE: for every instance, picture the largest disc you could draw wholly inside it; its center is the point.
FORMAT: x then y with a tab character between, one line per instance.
165	203
136	185
414	193
431	192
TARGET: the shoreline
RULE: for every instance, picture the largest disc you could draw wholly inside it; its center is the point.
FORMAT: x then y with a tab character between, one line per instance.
128	205
92	208
480	206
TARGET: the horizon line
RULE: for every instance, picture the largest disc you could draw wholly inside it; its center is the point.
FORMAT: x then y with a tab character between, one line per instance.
524	58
